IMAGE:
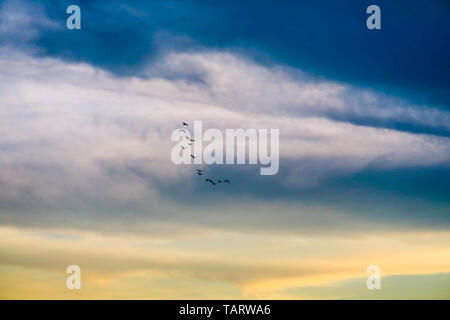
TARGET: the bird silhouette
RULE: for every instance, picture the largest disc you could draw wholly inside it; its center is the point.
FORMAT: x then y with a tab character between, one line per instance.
219	181
199	173
209	180
185	124
226	181
190	144
192	156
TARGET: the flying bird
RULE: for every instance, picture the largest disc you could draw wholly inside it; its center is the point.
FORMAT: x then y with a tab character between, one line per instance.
209	180
185	124
192	156
226	181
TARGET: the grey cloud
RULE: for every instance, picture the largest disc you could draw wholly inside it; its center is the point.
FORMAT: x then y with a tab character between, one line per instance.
83	148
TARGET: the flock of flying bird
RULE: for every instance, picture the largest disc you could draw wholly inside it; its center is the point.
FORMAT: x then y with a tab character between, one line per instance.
201	171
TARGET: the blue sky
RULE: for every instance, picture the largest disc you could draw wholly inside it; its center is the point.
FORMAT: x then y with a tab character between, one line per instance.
364	119
407	57
324	38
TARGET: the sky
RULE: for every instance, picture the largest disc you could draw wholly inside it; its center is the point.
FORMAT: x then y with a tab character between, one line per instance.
86	176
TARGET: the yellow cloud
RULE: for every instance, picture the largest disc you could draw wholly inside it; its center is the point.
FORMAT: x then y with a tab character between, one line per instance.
211	265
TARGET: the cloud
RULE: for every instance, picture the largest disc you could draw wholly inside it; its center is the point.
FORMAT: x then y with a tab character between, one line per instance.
311	36
398	287
22	23
86	175
244	265
85	148
237	83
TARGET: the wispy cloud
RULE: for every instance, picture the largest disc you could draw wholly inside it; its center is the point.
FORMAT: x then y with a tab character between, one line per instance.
86	176
22	23
79	139
251	266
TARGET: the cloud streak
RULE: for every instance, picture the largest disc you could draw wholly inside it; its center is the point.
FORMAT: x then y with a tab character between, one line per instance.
77	139
254	265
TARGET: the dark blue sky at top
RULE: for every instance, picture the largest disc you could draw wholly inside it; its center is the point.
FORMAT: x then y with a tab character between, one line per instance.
408	57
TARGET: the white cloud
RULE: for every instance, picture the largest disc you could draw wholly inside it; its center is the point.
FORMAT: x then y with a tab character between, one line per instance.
22	21
73	136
